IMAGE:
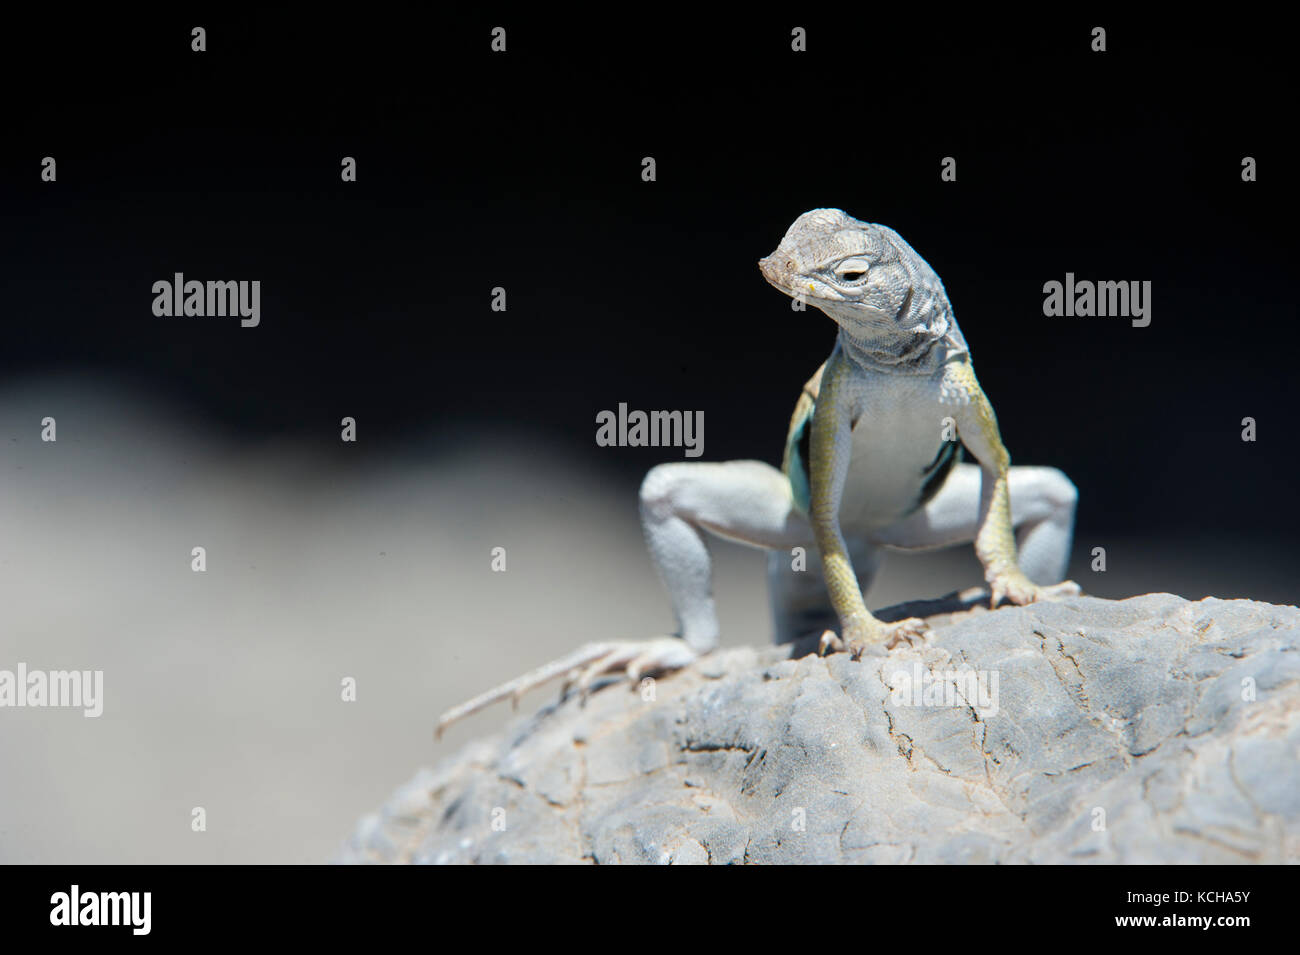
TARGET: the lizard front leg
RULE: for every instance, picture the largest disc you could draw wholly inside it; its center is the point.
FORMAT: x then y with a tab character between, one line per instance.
831	450
995	542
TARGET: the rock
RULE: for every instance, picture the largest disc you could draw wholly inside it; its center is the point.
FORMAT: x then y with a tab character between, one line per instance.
1148	730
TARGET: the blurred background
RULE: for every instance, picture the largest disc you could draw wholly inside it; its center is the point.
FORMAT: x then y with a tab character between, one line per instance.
476	428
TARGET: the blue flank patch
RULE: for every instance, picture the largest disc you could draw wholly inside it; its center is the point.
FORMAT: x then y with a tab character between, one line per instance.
800	454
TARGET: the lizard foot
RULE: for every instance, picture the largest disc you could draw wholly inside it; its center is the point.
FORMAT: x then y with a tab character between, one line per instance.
874	636
582	668
634	658
1020	590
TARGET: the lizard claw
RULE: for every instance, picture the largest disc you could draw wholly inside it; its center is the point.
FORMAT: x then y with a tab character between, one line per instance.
1020	590
633	657
906	631
582	668
829	643
889	635
873	637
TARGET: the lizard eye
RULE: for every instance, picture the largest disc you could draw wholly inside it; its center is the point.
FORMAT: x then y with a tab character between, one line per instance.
851	270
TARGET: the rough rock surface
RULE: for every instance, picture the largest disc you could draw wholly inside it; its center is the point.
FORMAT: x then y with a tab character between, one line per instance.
1152	729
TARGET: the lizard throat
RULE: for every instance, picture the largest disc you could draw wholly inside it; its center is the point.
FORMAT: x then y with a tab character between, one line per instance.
894	350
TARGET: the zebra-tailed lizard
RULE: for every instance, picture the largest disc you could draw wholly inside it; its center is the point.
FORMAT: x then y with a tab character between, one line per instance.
872	462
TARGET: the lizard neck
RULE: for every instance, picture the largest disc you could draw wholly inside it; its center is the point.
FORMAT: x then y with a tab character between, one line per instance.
920	353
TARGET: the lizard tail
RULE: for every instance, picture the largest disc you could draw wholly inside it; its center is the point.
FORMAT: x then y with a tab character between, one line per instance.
514	689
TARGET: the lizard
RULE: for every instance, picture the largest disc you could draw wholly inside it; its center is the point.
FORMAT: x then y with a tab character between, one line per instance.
872	462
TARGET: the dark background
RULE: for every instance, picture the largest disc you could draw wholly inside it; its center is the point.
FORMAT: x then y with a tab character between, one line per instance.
477	429
523	170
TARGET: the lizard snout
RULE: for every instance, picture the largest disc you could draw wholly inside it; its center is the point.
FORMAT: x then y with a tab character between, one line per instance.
775	269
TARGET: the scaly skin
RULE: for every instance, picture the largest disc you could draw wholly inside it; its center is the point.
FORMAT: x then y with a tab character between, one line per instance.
894	319
873	467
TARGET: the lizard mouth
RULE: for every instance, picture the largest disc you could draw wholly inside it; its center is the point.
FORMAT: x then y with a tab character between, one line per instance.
783	280
774	273
780	284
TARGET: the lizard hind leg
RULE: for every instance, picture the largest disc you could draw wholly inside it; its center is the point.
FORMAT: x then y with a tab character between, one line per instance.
747	502
744	501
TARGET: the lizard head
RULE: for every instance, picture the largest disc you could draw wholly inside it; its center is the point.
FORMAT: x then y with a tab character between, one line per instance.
862	275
